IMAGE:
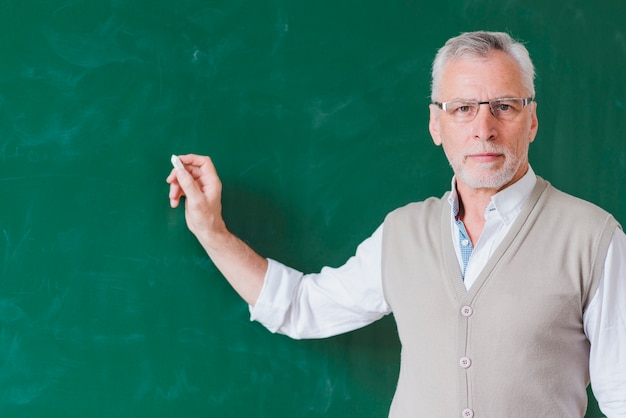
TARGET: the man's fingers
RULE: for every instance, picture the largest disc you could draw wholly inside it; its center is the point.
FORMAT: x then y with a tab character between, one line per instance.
187	185
204	172
198	180
204	164
175	194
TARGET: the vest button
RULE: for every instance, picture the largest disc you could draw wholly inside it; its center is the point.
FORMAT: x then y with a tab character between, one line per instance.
465	362
467	413
467	311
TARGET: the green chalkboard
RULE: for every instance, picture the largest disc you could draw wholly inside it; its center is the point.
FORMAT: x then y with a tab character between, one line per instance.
315	114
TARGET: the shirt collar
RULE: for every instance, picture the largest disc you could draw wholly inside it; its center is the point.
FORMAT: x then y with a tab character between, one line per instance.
505	204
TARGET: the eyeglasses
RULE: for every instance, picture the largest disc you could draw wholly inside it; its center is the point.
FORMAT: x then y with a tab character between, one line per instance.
506	109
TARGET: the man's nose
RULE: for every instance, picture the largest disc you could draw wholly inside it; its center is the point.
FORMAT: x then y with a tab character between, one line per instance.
484	124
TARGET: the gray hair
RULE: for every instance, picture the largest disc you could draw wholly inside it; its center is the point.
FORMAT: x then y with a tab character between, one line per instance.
480	44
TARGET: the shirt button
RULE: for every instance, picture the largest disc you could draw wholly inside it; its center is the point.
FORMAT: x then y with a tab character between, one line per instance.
465	243
467	311
465	362
467	413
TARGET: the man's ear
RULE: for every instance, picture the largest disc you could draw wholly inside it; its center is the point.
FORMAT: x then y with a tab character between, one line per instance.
433	124
534	124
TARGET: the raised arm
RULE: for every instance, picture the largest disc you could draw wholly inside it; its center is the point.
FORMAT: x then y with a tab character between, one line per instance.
199	183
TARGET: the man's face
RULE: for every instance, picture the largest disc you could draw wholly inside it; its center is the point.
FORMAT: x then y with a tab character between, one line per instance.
486	152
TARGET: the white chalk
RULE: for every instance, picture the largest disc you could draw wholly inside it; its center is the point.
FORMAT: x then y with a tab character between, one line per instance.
176	163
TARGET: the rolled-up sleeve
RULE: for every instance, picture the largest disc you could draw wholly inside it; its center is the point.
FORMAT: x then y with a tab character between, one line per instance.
331	302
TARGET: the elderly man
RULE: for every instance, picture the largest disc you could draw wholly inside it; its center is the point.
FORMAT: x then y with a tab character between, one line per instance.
509	295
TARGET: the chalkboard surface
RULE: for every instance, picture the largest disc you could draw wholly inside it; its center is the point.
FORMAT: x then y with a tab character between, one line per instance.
316	116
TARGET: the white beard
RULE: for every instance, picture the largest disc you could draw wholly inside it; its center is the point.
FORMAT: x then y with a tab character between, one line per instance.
488	178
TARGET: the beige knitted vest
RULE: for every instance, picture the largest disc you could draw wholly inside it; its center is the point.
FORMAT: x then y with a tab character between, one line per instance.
513	345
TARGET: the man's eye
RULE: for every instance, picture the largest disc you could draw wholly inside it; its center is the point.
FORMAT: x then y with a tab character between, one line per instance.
464	108
502	107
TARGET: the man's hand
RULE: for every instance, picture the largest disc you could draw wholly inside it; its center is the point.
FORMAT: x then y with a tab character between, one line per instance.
202	187
199	183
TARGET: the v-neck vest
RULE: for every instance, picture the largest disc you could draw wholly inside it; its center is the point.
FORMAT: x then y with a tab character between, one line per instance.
512	345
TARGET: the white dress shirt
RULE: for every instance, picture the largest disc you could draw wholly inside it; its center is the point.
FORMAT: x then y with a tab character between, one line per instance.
338	300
